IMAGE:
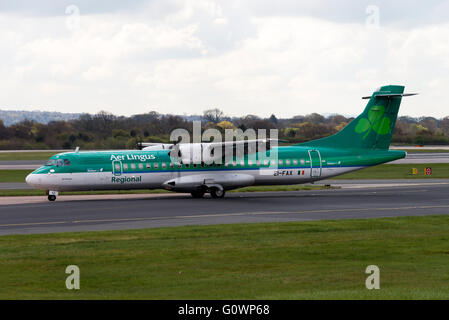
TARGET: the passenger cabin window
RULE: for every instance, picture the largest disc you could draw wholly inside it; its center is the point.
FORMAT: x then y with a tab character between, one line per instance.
125	166
287	162
156	165
258	162
117	166
133	166
281	162
140	165
295	161
172	165
265	162
250	162
164	165
148	165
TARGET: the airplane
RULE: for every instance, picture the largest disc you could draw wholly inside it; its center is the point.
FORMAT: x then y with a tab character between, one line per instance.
362	143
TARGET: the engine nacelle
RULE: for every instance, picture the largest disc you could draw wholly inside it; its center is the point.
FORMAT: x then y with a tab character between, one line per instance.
196	153
195	182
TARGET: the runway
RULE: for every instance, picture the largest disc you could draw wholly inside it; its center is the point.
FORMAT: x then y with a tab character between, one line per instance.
112	212
417	158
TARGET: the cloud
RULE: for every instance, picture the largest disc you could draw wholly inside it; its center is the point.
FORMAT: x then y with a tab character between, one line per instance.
188	56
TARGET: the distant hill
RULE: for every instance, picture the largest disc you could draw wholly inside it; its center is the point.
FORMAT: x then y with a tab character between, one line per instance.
11	117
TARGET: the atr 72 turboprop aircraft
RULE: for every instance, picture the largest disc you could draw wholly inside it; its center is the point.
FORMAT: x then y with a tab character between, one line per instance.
364	142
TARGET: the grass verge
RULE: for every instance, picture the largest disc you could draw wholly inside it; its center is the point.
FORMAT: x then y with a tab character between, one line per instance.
14	175
42	155
399	171
295	260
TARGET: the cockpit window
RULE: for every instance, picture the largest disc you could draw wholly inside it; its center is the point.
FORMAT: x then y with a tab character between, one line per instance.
51	162
67	162
59	163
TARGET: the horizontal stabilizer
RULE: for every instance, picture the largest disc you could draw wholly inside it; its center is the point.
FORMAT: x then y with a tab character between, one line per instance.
392	95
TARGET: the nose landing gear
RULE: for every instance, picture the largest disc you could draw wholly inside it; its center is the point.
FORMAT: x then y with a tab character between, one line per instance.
52	195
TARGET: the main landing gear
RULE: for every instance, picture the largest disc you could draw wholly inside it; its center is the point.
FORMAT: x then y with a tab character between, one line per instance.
215	192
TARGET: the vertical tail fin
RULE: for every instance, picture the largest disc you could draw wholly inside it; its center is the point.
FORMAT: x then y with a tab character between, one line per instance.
373	128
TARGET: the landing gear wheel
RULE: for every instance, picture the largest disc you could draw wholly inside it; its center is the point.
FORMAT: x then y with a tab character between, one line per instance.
51	198
197	194
217	193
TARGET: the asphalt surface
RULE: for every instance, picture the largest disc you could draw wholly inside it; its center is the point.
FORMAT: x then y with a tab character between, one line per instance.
434	157
78	213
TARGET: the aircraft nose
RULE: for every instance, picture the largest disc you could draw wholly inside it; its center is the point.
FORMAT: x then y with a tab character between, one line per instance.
30	179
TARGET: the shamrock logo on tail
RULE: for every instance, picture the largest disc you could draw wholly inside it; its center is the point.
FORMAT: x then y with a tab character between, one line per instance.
375	122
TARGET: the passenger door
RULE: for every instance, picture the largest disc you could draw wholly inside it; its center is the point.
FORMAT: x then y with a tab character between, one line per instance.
315	163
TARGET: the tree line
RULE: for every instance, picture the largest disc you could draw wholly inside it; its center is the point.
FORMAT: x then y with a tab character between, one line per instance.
107	131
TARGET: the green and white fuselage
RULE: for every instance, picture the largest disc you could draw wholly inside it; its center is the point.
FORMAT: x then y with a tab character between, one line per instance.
362	143
101	170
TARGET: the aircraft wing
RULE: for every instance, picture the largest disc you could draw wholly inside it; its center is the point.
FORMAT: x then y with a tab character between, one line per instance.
214	151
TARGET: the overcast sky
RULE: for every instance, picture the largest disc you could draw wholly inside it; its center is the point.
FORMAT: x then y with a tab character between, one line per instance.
245	57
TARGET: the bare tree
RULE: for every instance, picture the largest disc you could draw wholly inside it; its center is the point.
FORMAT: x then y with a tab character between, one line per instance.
213	115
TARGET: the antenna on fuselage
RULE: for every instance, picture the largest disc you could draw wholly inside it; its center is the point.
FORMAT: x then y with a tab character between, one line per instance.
77	149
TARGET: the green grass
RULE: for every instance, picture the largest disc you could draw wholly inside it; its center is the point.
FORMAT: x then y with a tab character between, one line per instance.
295	260
14	175
9	156
399	171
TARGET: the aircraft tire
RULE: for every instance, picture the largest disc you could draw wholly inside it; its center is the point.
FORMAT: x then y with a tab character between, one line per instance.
51	198
217	193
